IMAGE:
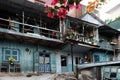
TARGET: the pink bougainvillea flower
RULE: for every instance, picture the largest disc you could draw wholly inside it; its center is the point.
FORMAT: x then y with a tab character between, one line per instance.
50	15
71	6
46	5
55	2
62	12
78	6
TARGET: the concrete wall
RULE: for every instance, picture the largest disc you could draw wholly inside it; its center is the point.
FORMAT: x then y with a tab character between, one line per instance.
88	74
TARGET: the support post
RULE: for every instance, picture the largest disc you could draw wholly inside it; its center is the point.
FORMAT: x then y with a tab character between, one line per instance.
23	22
72	56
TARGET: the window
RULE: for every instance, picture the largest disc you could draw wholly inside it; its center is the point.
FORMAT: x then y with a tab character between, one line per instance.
10	53
63	61
76	60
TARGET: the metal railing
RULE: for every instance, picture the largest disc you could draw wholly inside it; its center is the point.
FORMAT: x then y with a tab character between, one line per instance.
82	39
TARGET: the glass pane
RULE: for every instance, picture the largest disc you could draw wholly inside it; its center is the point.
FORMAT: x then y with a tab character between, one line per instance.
41	59
7	52
63	61
14	52
6	58
76	60
96	58
47	58
15	57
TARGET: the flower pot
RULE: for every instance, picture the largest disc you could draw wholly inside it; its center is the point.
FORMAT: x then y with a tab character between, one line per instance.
12	63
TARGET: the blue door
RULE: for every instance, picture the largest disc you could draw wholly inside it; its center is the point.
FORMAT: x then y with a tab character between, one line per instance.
44	62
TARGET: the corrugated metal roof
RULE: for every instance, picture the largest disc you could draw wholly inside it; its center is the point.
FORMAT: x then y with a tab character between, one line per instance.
115	24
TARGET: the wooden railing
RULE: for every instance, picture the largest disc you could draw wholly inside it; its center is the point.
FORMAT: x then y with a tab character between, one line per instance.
29	29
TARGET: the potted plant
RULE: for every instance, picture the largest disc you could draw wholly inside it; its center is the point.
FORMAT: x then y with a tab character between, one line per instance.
11	60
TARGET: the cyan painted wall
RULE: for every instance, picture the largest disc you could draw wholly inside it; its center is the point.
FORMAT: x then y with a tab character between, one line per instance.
29	60
26	57
103	55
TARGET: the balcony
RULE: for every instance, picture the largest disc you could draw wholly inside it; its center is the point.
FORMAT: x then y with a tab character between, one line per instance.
29	29
14	30
80	38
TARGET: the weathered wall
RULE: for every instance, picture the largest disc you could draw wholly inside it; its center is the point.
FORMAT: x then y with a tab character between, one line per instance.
29	60
102	56
87	74
26	57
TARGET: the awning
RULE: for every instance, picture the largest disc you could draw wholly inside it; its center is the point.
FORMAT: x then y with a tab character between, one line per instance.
79	47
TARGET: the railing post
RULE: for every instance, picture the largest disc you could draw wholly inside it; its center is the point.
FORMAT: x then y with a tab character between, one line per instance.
23	22
77	72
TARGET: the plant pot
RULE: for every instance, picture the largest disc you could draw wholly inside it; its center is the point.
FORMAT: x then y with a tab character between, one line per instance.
12	63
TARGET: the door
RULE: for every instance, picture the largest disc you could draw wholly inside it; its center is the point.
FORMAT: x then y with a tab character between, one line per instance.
96	58
44	62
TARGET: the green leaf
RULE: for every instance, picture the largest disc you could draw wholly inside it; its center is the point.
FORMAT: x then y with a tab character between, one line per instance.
70	1
61	1
56	7
102	0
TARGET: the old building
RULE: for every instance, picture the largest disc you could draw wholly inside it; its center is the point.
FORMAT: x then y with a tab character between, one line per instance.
39	44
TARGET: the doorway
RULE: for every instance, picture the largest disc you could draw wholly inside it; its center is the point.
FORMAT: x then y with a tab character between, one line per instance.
64	66
44	62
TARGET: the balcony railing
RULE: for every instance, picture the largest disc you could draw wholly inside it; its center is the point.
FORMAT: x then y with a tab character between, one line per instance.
29	29
88	65
81	38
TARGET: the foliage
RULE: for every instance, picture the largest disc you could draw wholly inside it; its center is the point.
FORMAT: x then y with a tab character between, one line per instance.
61	7
93	5
117	18
71	34
11	59
108	21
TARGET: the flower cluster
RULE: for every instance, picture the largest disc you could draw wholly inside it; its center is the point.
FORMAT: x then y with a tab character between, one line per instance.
11	59
61	7
93	5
